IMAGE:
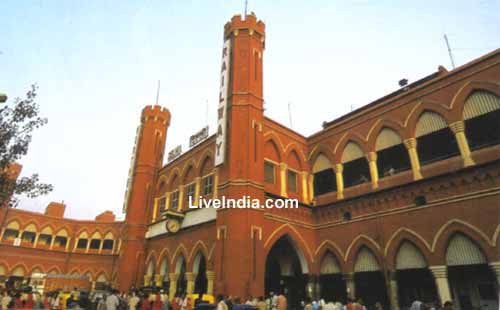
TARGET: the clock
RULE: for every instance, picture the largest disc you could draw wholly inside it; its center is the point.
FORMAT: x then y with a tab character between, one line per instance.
173	225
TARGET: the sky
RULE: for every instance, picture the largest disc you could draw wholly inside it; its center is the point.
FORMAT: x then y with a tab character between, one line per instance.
97	64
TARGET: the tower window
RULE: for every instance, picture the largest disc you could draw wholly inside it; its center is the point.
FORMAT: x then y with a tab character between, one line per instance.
208	185
292	181
269	170
175	200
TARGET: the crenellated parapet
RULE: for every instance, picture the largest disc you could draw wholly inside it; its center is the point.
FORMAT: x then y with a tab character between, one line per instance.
250	24
156	113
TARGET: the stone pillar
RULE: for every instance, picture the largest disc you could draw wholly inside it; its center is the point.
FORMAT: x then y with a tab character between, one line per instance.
443	288
173	285
350	285
88	245
197	185
283	183
393	290
159	280
311	287
304	187
52	242
190	277
68	239
411	146
36	240
210	282
311	188
372	163
147	280
92	285
340	180
100	246
495	266
167	202
458	129
181	198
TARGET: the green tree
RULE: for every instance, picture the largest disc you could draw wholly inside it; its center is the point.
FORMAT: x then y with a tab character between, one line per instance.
17	123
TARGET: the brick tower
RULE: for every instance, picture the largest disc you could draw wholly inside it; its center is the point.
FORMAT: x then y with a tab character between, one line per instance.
147	160
241	172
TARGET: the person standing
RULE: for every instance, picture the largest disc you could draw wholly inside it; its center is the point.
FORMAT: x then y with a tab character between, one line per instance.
221	304
261	304
282	302
133	301
112	301
5	301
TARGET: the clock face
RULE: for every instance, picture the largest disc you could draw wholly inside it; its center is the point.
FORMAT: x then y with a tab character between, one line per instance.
173	226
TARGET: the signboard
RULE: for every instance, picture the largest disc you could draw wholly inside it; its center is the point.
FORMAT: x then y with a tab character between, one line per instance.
173	154
131	170
220	139
198	137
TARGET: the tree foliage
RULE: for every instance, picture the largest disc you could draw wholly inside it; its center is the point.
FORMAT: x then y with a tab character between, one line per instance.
17	123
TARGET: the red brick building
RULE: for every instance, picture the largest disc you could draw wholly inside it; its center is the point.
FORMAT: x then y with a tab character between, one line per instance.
398	200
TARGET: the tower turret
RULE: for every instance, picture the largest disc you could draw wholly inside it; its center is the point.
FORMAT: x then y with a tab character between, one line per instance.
146	161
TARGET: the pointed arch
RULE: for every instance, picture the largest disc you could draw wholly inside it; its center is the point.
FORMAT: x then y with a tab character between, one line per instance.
378	126
294	161
199	246
295	236
354	138
271	135
366	260
462	250
19	270
35	267
458	101
329	264
161	184
174	179
54	270
152	257
329	245
351	151
408	256
165	254
206	163
299	152
188	172
195	265
356	244
401	235
421	107
272	149
31	226
320	149
454	226
179	251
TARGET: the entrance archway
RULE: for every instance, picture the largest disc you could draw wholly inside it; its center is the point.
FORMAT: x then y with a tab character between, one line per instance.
180	269
369	279
286	272
200	270
333	286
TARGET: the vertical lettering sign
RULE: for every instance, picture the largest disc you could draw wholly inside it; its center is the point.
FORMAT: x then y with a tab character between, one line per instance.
131	170
220	140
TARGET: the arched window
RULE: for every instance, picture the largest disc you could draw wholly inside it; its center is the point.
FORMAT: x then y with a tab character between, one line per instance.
462	251
95	241
356	170
29	234
11	231
108	241
324	176
435	140
45	238
392	156
482	119
61	239
82	240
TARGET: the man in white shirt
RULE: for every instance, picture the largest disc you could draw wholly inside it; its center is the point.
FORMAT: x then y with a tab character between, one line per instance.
112	301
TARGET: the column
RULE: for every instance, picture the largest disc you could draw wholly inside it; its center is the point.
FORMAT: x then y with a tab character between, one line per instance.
181	197
173	285
155	210
443	288
68	239
311	188
283	183
36	240
197	185
190	282
311	287
495	266
458	129
372	163
411	146
393	290
100	246
210	282
304	187
1	234
350	285
340	180
158	280
92	287
88	245
167	201
147	280
216	182
52	242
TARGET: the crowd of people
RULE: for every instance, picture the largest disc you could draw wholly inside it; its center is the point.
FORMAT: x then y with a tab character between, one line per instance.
137	299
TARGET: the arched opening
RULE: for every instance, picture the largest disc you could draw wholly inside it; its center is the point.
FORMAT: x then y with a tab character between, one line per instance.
16	279
333	286
180	269
165	284
45	237
435	140
108	242
415	281
29	235
392	156
286	271
324	176
11	232
472	283
482	119
61	239
101	282
82	241
150	273
369	279
356	169
200	270
95	241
